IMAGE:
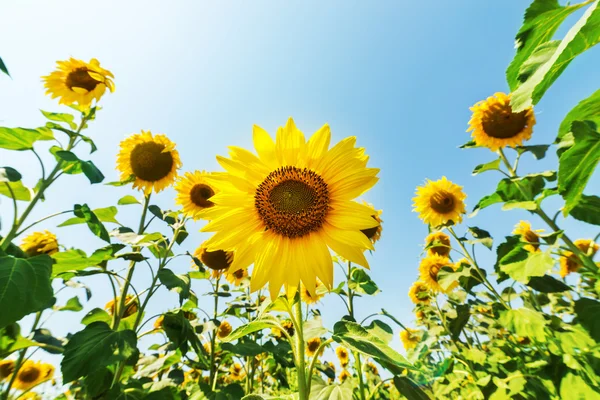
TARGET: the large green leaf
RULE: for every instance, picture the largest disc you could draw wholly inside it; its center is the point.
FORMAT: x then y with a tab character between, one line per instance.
456	325
547	284
17	189
92	221
76	260
61	117
409	389
319	390
587	209
362	283
254	326
587	311
25	287
71	164
525	323
542	19
586	110
245	349
177	283
180	332
95	347
583	35
574	387
578	163
521	270
106	214
513	191
23	138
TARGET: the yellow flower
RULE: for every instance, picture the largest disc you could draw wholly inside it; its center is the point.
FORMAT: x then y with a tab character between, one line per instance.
569	262
438	243
420	315
236	372
312	345
288	325
344	375
429	269
285	208
131	306
194	192
152	160
6	368
40	243
30	396
32	374
224	329
342	355
206	347
237	277
372	368
440	202
76	81
374	234
191	376
523	228
308	298
495	125
409	338
217	260
189	315
419	293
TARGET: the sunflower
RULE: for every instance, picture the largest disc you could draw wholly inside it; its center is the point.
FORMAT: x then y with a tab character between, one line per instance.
438	243
131	306
206	347
224	329
495	125
40	243
419	293
32	374
194	191
569	262
409	338
151	160
30	396
440	202
374	234
283	209
6	368
429	269
372	368
420	314
189	315
76	81
529	236
312	345
288	325
342	355
344	375
237	277
308	298
236	372
217	260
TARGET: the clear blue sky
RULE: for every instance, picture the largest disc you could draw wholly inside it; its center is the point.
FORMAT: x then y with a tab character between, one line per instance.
399	75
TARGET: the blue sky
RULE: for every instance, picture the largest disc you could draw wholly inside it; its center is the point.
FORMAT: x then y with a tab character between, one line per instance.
399	75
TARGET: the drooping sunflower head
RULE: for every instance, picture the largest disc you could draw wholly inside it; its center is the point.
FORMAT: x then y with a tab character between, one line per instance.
342	355
374	234
495	125
344	375
32	374
237	277
131	306
312	345
410	338
217	260
309	298
529	236
194	191
371	368
6	368
40	243
151	159
440	202
569	262
419	293
285	207
438	243
236	372
429	269
224	329
76	81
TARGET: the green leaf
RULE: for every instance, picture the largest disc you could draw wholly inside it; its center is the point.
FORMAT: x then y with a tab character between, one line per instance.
513	190
20	192
542	19
92	172
177	283
587	209
19	344
3	67
586	110
95	347
60	117
9	174
578	163
574	387
254	326
521	270
246	349
25	287
97	228
491	166
73	304
381	330
23	138
51	344
180	332
583	35
314	328
409	389
106	214
76	260
457	324
481	236
511	245
362	283
547	284
538	150
97	314
525	323
539	57
129	199
71	164
319	390
587	311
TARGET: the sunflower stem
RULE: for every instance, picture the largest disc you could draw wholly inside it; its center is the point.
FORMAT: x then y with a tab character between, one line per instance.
213	339
361	382
303	390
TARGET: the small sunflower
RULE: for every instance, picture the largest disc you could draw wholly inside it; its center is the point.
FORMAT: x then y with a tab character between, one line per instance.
410	338
76	81
495	125
217	260
6	368
40	243
189	315
312	345
152	160
344	375
306	297
194	191
374	234
236	372
440	202
429	269
529	236
30	396
419	293
237	277
342	355
288	325
32	374
438	243
131	306
569	262
372	368
224	330
420	314
206	347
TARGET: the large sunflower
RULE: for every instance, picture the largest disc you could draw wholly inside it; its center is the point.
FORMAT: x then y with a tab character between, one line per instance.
151	160
194	193
76	81
529	236
283	209
430	268
32	374
40	243
495	125
440	202
569	262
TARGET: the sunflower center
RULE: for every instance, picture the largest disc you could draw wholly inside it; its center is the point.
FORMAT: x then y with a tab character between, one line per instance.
292	202
239	274
80	78
313	345
217	260
200	195
371	232
29	374
149	163
531	237
501	123
442	202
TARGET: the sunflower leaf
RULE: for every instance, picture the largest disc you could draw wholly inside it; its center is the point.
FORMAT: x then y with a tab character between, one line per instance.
23	138
491	166
587	313
97	228
9	174
514	190
3	67
410	389
575	387
16	189
106	214
177	283
587	209
547	284
362	283
538	150
586	110
525	323
60	117
73	304
521	270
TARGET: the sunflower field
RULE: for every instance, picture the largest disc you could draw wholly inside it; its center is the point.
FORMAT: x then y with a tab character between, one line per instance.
285	226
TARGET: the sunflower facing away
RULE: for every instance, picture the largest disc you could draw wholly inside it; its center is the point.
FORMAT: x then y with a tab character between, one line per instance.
312	345
224	329
151	160
32	374
419	293
409	338
308	298
372	368
429	270
217	260
131	306
283	209
438	243
495	125
440	202
344	375
342	355
194	192
569	262
76	81
237	277
529	236
6	368
374	234
236	372
40	243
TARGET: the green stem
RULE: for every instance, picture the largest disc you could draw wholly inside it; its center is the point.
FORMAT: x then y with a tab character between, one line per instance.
213	339
14	200
361	381
313	362
300	352
42	219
